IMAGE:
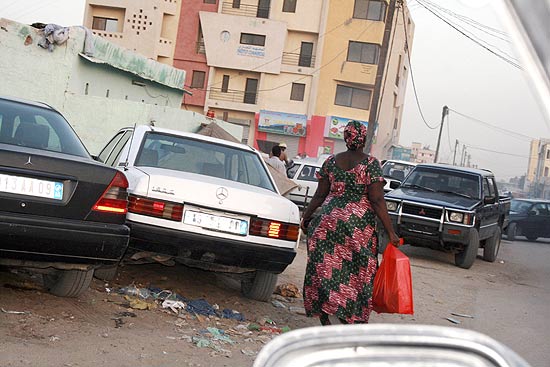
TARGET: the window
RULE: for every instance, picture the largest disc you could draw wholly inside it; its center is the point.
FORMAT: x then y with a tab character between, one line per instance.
365	53
236	4
198	79
252	39
105	24
251	90
352	97
225	83
548	154
263	8
545	171
114	157
306	54
289	6
297	92
398	70
209	1
370	10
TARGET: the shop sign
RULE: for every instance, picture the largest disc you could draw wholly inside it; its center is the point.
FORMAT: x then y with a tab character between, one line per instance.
250	50
334	127
282	123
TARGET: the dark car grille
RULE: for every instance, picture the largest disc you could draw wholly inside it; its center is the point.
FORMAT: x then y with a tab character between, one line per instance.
421	211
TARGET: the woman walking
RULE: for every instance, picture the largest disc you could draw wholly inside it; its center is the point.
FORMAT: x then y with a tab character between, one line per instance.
342	241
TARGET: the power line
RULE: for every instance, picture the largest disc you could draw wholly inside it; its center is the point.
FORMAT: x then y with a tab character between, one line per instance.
408	57
501	129
495	151
470	37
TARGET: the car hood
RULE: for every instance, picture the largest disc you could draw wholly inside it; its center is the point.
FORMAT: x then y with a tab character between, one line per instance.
211	192
432	198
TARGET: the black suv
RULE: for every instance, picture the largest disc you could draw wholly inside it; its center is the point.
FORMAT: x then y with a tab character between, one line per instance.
529	218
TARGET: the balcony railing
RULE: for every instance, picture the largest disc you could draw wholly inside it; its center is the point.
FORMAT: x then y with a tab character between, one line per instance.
199	48
290	58
231	95
245	10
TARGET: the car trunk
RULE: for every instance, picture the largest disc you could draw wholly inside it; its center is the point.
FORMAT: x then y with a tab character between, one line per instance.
51	184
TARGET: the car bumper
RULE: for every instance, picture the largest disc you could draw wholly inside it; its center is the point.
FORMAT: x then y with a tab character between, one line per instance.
210	249
38	240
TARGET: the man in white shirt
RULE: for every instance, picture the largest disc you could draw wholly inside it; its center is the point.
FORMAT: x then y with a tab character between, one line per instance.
275	160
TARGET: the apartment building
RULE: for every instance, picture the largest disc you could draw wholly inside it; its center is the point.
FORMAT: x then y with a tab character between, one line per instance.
538	171
422	154
295	70
148	27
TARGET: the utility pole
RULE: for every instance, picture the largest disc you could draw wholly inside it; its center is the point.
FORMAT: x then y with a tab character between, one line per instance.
454	155
444	113
469	159
463	155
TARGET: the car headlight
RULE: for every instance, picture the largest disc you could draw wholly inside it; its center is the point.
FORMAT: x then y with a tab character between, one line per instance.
456	217
391	206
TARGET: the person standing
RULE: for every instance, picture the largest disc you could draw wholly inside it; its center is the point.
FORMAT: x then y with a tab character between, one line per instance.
342	242
283	156
275	159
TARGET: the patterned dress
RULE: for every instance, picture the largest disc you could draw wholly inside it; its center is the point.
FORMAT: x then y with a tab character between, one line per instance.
342	245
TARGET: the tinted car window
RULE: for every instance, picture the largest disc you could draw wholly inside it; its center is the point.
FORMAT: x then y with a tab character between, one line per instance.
117	150
204	158
308	173
520	206
39	128
396	170
449	181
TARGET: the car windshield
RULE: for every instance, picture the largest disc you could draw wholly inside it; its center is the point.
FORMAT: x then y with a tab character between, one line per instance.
204	158
35	127
396	170
520	206
462	184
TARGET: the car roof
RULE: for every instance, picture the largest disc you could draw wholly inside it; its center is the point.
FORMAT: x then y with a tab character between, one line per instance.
308	161
29	102
193	136
478	171
532	200
399	161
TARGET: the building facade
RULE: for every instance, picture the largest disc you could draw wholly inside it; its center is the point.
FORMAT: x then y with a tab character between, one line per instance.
422	154
148	27
538	171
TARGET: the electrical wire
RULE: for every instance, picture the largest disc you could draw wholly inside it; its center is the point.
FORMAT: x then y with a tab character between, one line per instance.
514	64
408	57
495	151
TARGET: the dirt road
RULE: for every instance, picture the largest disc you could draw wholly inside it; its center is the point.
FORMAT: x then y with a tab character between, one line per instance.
508	299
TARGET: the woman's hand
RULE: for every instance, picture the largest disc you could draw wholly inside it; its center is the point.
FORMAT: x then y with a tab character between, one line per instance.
394	239
304	224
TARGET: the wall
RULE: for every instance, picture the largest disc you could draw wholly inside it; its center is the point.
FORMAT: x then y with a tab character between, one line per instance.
307	17
275	93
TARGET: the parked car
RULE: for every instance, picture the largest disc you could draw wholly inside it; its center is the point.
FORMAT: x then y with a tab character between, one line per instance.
529	218
449	208
394	172
303	172
61	212
208	203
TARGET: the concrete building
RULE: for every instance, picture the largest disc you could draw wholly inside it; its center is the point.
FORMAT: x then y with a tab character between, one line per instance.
422	154
98	93
538	171
296	70
148	27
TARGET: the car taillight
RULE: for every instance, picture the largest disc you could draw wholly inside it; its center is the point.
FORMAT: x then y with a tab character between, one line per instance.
274	229
115	198
155	208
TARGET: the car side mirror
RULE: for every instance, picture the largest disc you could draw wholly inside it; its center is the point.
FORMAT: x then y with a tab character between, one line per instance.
394	185
489	200
532	212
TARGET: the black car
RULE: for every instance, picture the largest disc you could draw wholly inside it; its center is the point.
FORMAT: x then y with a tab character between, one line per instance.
529	218
61	212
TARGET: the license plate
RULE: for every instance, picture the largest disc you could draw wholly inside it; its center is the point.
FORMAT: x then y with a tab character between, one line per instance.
216	222
31	187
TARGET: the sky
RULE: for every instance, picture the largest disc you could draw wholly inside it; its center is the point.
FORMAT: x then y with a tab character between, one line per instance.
448	68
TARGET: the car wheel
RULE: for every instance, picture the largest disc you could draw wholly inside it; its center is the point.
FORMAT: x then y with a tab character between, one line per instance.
383	240
492	245
465	259
532	238
68	283
260	287
511	232
107	272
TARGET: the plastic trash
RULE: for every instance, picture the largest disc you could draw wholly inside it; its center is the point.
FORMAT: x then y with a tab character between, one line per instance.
134	291
174	305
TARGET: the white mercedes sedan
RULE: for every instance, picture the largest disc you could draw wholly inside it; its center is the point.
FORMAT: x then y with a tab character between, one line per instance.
206	202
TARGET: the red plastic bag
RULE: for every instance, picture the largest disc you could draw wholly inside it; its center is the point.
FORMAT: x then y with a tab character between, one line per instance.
393	283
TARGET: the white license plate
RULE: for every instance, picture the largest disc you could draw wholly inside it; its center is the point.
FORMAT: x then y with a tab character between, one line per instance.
31	186
216	222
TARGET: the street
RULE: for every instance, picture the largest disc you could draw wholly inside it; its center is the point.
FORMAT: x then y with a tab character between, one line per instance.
508	300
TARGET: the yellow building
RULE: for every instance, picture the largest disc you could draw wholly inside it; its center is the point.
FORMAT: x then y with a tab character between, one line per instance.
538	171
148	27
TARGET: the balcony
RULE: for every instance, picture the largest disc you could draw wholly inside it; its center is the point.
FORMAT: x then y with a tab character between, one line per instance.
294	59
245	10
231	95
199	47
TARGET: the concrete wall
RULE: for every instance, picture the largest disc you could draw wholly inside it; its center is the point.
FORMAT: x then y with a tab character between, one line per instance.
57	79
307	17
276	93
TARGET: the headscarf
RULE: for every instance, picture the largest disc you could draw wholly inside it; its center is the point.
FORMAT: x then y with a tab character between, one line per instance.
355	134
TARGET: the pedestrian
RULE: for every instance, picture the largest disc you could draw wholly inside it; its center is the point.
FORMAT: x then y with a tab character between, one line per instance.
342	242
283	156
275	159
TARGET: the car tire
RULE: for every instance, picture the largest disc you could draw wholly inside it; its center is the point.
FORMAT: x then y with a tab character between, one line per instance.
532	238
465	259
511	232
260	287
68	283
383	240
107	272
492	245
